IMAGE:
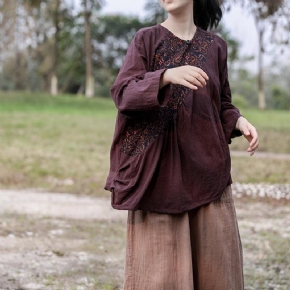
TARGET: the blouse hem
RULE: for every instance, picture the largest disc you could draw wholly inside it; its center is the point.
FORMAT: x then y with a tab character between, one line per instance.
171	211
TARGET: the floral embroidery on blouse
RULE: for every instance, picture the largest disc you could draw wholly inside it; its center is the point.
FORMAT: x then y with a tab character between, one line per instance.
171	52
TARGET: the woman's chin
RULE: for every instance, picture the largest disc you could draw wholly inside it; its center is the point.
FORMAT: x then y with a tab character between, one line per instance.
172	7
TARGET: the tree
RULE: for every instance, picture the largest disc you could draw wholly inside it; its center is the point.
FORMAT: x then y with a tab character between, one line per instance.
10	36
88	7
281	98
54	81
233	44
112	35
242	82
268	14
53	13
72	65
47	18
154	12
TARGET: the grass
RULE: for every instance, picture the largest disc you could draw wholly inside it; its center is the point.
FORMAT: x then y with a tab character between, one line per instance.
62	143
265	235
255	170
273	128
26	102
88	254
264	228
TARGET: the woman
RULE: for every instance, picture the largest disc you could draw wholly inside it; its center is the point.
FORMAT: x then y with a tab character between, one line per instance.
170	161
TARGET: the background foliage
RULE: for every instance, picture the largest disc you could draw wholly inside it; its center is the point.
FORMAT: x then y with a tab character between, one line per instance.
41	39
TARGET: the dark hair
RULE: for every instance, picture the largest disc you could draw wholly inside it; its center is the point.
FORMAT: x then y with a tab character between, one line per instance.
207	13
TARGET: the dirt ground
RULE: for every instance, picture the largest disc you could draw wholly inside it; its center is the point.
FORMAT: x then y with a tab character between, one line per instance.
62	241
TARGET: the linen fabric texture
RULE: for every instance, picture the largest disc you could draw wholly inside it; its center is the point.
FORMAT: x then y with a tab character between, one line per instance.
170	149
196	250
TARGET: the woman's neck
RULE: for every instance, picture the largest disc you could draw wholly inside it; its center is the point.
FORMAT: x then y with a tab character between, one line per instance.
181	25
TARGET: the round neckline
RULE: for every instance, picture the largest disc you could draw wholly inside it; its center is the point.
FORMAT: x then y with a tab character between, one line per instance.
180	39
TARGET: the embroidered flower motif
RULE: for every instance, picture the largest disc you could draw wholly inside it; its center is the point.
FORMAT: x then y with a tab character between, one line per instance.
171	52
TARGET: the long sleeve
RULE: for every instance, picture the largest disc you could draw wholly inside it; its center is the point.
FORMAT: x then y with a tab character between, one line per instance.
229	113
136	88
169	152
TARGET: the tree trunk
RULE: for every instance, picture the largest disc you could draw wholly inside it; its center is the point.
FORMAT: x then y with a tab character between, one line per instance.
89	91
54	80
17	48
261	91
54	85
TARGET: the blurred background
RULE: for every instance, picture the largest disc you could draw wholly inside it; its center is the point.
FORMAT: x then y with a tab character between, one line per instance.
77	47
58	59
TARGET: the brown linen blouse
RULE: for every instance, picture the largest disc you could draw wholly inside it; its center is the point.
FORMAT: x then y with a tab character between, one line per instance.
170	149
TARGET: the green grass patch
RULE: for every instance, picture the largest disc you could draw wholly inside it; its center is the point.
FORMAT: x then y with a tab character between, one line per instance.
27	102
57	143
257	170
61	153
62	143
273	128
268	119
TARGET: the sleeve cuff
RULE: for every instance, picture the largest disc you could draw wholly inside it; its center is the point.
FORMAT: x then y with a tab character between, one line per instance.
230	127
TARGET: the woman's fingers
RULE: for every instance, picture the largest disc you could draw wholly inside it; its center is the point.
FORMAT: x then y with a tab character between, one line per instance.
189	85
194	81
200	72
196	76
189	76
200	79
254	144
199	75
250	133
255	140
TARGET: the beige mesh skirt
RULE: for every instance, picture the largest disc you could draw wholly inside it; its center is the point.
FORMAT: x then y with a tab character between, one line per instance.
196	250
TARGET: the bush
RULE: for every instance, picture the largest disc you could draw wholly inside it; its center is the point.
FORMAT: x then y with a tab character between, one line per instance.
103	91
281	98
240	101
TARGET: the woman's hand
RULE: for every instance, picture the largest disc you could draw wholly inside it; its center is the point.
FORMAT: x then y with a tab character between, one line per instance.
250	133
187	75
